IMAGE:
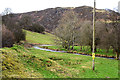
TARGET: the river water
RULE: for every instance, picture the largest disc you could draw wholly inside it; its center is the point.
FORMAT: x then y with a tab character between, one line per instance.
36	47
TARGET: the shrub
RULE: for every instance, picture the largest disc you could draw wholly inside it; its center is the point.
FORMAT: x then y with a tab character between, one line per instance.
19	35
36	27
7	37
12	31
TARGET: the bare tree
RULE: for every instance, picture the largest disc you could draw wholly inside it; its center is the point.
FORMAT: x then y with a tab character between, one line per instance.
66	29
86	34
7	37
7	11
115	31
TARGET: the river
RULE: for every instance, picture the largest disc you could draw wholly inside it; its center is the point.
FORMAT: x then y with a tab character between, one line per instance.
36	47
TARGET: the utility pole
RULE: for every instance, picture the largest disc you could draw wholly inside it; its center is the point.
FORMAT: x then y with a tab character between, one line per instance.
93	52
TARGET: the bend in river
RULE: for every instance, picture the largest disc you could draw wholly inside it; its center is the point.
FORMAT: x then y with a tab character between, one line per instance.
36	47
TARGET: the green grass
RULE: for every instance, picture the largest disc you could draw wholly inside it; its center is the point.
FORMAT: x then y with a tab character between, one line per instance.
33	37
13	66
21	62
60	65
86	50
79	66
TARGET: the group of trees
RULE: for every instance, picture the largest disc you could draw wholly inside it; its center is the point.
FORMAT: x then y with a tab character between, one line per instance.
115	33
12	29
72	31
66	30
7	37
27	23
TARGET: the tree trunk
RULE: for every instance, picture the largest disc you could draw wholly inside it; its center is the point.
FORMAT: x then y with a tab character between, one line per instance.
91	48
68	46
73	42
83	48
113	51
80	48
107	51
87	49
117	55
72	47
95	49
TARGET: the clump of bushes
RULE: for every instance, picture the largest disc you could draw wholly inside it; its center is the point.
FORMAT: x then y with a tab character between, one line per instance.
11	31
28	23
7	37
36	27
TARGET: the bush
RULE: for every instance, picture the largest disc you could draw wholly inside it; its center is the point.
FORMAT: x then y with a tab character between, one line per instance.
19	35
7	37
36	27
12	31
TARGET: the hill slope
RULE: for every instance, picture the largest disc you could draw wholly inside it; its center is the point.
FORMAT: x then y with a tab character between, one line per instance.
21	62
49	17
33	37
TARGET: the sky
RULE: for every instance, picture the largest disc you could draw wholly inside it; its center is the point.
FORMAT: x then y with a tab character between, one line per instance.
21	6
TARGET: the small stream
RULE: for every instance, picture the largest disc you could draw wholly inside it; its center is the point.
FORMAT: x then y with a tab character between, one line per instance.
36	47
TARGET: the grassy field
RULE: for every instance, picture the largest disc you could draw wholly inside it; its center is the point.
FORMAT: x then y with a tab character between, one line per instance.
33	37
30	62
21	62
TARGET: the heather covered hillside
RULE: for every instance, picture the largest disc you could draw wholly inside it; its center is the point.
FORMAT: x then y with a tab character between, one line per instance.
49	17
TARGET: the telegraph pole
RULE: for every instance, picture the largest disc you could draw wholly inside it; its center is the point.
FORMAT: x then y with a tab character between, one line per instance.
93	52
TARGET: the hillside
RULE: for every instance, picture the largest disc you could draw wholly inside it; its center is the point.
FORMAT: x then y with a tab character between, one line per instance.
22	62
33	37
49	17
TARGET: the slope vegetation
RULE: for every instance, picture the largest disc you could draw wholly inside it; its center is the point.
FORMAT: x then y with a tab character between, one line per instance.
21	62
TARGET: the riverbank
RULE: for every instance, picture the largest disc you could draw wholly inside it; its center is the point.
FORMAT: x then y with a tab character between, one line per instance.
72	52
58	49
